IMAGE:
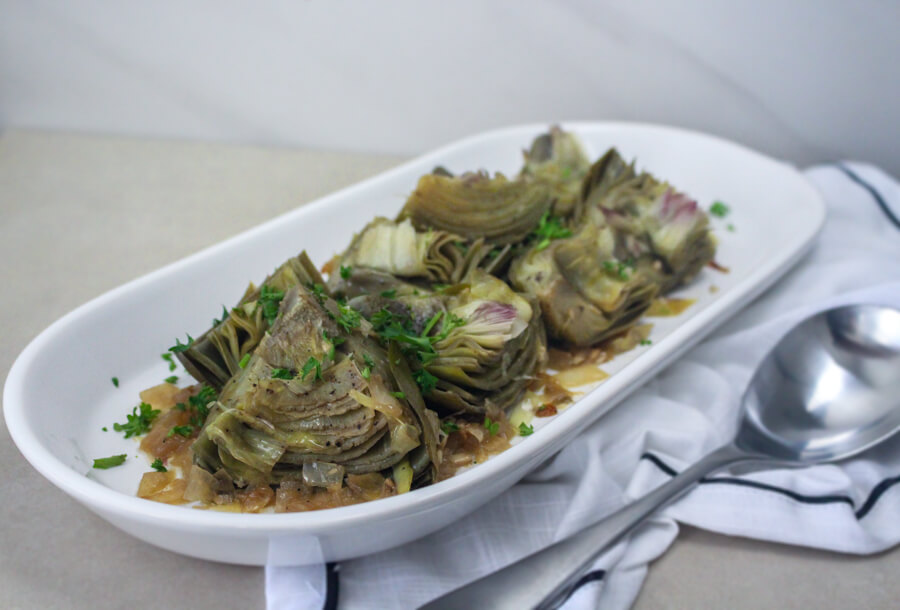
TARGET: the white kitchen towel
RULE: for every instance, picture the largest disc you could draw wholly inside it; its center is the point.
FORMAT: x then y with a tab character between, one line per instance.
683	413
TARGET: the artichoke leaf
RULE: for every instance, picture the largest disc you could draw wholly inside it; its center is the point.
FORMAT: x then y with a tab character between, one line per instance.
403	476
475	205
557	158
426	423
215	356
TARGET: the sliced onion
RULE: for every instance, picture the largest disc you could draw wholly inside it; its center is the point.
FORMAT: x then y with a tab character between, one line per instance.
323	474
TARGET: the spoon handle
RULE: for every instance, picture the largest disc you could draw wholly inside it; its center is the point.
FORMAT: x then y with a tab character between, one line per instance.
544	579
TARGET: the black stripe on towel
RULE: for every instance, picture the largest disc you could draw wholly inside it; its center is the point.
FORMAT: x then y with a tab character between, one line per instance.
867	506
745	483
332	586
872	191
588	578
585	580
876	493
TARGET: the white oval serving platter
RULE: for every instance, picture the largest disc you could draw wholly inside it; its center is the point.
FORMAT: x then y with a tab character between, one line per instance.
57	424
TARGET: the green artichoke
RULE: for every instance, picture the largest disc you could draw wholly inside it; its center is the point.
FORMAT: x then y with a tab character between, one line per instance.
655	223
314	402
557	159
490	342
475	205
585	292
216	355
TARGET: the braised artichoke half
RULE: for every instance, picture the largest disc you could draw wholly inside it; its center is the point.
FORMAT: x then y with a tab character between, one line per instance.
216	355
318	399
476	205
495	343
656	223
396	249
558	159
585	292
472	346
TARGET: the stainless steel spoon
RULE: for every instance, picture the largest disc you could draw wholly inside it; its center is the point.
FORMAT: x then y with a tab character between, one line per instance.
829	390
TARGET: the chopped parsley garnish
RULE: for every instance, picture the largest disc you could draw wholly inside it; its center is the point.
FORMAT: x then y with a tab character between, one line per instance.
491	426
109	462
104	429
730	227
367	371
244	361
382	317
180	406
619	269
566	173
646	341
171	379
719	209
157	465
440	287
448	427
180	347
217	321
282	374
549	228
346	271
318	291
199	404
335	341
181	431
138	422
168	358
348	318
451	321
494	253
461	246
312	365
426	381
431	323
399	329
525	429
205	396
389	294
115	381
270	299
398	395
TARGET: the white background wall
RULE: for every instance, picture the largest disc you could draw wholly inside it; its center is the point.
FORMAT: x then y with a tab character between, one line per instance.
808	80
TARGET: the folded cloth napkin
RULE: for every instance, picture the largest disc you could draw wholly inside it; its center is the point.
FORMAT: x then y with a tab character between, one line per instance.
682	414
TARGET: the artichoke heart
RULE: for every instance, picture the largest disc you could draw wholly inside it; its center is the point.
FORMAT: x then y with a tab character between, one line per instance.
475	205
302	407
655	222
393	256
488	351
557	158
398	249
216	355
585	293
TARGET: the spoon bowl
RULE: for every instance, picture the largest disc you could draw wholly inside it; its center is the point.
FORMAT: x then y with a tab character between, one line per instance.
829	390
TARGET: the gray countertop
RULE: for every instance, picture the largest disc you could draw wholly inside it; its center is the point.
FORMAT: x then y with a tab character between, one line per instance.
80	215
